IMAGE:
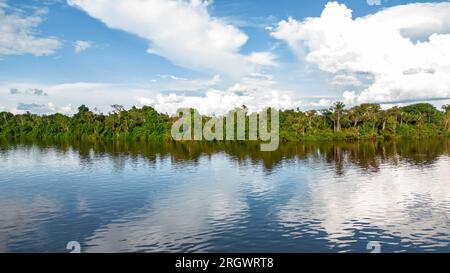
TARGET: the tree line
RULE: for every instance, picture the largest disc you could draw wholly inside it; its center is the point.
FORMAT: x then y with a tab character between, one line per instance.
365	121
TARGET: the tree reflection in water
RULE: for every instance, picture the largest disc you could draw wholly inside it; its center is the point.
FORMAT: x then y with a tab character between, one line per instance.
367	155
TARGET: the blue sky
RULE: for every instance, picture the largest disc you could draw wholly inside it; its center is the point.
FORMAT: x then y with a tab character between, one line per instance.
79	52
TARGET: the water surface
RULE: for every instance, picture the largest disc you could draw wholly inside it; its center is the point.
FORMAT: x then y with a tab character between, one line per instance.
310	197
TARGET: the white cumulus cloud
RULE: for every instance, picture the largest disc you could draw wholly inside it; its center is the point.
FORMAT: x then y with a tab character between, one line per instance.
256	92
182	31
18	34
405	49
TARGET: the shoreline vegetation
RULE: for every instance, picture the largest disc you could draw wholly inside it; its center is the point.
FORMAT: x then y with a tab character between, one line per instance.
362	122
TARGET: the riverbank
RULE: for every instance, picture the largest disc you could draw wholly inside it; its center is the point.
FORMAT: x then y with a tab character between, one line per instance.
366	121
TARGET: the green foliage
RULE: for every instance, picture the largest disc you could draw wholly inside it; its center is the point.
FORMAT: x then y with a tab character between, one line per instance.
366	121
136	124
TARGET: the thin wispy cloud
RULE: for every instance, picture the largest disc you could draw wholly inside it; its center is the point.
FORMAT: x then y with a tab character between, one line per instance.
29	91
374	2
81	46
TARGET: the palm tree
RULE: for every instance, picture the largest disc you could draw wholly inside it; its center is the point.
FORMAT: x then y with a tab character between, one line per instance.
396	113
326	115
338	109
4	117
446	108
355	115
311	114
371	111
383	116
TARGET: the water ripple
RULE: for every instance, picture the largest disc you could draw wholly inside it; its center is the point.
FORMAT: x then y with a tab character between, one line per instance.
326	200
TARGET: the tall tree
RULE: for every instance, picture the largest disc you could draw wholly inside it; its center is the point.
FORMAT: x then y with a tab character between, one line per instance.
446	109
355	115
338	109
